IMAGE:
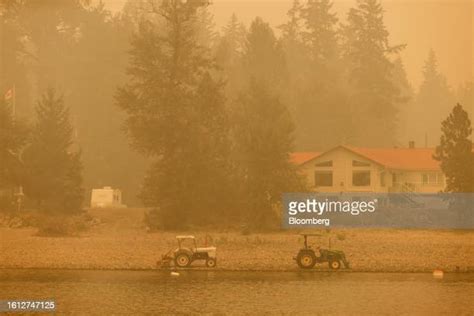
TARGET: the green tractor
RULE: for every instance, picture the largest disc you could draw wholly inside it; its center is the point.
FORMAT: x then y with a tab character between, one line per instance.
307	257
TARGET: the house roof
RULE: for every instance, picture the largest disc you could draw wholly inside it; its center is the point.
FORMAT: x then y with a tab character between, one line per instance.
400	158
300	158
392	158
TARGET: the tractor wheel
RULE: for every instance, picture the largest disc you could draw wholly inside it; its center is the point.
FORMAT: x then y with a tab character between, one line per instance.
211	262
334	264
306	260
182	260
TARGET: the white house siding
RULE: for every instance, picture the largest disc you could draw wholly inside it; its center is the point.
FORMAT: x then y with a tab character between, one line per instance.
342	169
414	179
342	172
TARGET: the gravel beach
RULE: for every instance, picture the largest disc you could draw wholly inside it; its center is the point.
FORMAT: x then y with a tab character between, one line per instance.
120	241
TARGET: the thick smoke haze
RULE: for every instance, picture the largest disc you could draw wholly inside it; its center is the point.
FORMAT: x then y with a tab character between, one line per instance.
248	140
305	76
421	24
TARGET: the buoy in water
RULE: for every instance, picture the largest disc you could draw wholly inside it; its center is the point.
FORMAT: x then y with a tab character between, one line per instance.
438	274
175	274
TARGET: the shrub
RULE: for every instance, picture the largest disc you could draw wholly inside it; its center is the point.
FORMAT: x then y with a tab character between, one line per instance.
152	219
62	226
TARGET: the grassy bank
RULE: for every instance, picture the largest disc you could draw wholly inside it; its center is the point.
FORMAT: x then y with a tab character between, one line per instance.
120	241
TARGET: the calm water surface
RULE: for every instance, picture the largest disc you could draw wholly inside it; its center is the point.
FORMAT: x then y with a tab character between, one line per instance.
196	292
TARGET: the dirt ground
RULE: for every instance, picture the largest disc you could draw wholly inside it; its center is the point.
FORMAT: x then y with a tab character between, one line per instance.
120	241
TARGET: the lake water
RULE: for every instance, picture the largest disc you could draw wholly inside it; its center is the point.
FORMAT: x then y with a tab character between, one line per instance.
196	292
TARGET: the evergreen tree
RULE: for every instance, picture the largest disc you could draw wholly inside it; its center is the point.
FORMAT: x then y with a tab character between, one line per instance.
60	56
54	167
455	151
433	97
175	116
315	90
295	52
297	58
263	134
234	33
229	52
326	111
291	30
465	95
373	94
320	31
97	121
206	28
264	60
408	120
57	38
231	45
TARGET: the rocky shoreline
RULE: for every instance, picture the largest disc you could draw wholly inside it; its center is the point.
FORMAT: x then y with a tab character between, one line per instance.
122	243
368	251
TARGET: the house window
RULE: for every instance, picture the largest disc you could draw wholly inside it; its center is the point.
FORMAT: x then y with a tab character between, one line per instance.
356	163
323	178
382	179
394	178
432	178
361	178
324	164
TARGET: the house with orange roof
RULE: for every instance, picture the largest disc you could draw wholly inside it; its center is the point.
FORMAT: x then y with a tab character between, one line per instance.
362	169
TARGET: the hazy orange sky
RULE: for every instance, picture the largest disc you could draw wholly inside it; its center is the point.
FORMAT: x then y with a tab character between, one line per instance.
444	25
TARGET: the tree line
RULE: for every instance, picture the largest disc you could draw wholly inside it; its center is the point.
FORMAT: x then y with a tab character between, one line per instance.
215	114
39	159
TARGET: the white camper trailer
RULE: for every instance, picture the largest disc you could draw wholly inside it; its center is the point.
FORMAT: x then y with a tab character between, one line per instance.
106	197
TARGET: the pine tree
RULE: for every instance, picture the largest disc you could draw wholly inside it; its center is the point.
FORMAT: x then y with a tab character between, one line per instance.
235	34
206	28
291	31
54	167
229	53
231	44
98	122
373	94
320	31
465	95
314	89
408	120
174	116
455	151
297	58
263	135
326	110
264	60
433	97
294	49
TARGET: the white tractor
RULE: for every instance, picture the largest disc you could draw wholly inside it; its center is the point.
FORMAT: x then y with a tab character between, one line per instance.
188	252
